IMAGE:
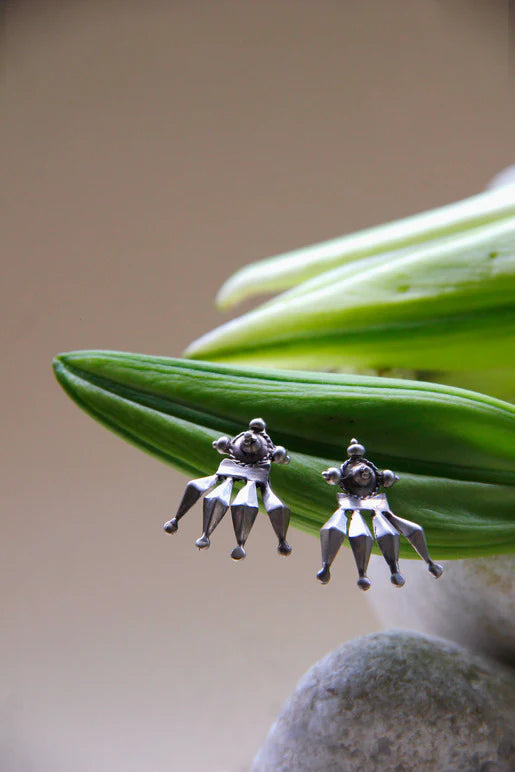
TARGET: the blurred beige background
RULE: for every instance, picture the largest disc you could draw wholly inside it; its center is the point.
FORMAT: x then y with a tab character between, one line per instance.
148	149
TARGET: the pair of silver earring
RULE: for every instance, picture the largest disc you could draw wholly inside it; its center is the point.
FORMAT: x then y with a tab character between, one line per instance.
250	457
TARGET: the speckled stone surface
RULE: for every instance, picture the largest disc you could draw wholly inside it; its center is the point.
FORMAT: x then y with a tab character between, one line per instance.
473	603
396	701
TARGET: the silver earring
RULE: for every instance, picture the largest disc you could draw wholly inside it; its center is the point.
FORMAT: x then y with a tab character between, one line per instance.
360	480
250	456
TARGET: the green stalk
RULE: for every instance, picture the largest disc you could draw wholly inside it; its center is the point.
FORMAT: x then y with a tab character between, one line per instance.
453	449
281	272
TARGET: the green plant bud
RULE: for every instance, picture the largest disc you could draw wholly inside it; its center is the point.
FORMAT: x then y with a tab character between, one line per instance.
453	449
445	308
278	273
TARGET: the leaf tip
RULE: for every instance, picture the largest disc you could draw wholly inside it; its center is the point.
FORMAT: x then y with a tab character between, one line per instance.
62	365
58	364
229	294
62	374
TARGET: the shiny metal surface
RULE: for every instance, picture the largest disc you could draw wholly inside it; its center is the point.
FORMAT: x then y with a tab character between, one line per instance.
240	471
251	455
279	515
332	535
360	540
360	480
414	533
388	539
194	490
244	511
216	505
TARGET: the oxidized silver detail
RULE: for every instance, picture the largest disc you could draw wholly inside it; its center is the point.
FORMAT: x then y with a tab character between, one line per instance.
230	468
251	455
360	481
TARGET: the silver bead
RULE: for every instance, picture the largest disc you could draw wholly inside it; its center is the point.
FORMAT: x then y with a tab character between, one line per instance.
257	425
280	456
389	478
222	444
332	475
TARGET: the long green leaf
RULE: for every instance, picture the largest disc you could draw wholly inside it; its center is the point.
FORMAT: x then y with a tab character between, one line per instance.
284	271
453	449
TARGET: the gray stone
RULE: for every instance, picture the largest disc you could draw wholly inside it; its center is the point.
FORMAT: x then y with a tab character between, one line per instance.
398	702
473	603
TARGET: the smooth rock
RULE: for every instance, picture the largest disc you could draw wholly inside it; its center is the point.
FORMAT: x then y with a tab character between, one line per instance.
398	702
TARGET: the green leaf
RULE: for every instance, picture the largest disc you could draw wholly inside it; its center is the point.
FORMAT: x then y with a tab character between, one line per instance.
284	271
453	449
443	307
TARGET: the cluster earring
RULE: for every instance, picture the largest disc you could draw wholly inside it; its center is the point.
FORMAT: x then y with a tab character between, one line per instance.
250	456
360	481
